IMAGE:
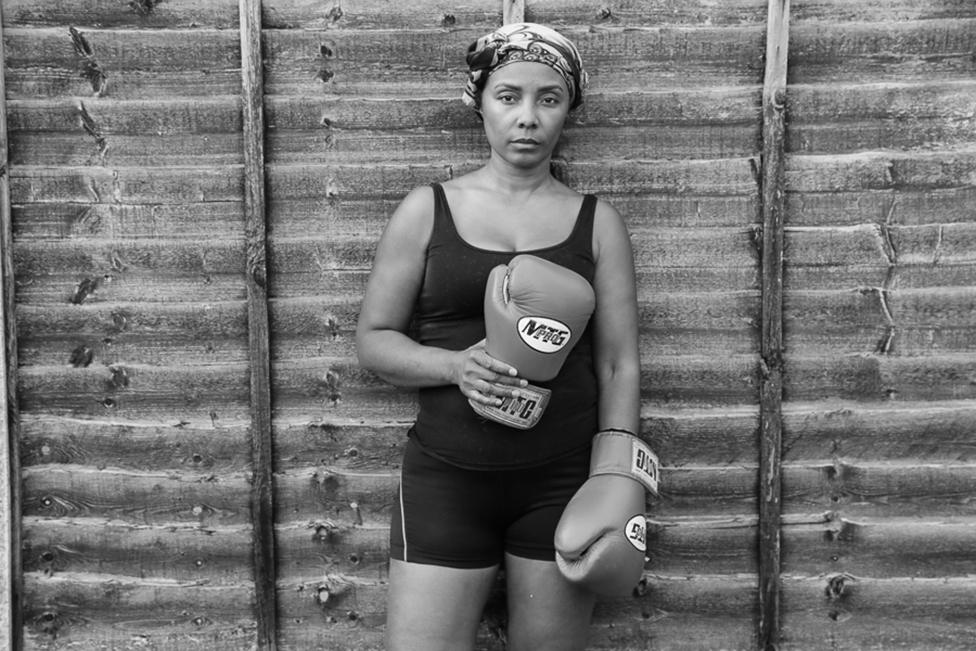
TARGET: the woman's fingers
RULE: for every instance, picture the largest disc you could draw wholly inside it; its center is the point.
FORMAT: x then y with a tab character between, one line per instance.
488	380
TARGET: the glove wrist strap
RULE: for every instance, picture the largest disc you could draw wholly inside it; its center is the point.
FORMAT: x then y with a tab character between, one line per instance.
522	412
621	453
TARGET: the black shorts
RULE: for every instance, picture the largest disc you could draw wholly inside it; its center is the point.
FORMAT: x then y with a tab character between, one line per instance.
456	517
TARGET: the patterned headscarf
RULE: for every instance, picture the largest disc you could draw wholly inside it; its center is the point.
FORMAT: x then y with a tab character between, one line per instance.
524	42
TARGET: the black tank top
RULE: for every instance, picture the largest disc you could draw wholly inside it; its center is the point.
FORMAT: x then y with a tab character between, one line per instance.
450	314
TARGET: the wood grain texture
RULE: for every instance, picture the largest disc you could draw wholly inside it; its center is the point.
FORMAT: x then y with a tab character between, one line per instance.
936	431
177	551
879	488
852	611
105	609
380	63
136	391
141	14
772	202
896	50
262	498
11	581
157	497
180	445
880	548
122	63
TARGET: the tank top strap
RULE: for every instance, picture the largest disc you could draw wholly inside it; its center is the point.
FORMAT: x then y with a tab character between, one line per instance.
582	237
443	220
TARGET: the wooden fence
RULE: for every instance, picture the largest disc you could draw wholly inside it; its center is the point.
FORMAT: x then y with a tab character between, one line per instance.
196	459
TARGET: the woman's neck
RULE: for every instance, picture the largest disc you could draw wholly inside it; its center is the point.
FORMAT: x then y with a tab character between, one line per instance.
510	180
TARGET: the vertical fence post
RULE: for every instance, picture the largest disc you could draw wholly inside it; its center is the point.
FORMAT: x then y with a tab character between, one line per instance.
11	626
262	489
771	381
513	11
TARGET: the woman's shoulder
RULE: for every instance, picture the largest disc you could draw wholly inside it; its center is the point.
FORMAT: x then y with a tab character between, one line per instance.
414	216
609	228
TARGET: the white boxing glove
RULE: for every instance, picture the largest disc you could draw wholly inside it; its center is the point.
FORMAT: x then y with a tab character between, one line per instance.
535	312
601	538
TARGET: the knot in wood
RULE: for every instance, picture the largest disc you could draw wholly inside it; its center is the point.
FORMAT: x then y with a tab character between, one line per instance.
837	586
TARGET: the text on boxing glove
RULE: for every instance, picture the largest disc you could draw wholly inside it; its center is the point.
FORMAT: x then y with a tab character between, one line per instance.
543	334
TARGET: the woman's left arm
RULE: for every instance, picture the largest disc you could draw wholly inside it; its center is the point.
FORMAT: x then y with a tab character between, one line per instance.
616	352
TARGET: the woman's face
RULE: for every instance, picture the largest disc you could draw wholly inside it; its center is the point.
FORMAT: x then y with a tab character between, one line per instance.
524	106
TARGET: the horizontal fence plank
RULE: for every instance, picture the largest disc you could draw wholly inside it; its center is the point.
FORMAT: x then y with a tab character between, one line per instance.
136	333
871	377
879	489
121	611
110	132
72	149
378	14
211	446
702	436
878	255
833	118
908	207
895	430
44	62
647	13
897	50
874	319
397	62
64	491
890	547
881	170
88	271
179	552
136	391
325	546
126	185
219	14
67	220
121	63
815	11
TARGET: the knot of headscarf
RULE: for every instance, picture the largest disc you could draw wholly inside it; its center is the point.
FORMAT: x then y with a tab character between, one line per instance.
524	42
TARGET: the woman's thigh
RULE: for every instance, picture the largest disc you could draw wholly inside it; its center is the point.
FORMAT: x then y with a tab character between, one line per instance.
545	611
434	608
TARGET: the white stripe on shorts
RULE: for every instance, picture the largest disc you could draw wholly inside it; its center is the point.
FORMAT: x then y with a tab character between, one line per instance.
403	520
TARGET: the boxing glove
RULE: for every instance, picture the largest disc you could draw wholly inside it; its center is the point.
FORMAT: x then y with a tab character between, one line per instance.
535	312
601	538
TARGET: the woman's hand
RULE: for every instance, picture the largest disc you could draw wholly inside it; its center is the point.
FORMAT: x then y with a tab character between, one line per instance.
484	379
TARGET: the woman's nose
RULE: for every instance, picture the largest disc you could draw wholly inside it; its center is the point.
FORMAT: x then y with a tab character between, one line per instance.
527	115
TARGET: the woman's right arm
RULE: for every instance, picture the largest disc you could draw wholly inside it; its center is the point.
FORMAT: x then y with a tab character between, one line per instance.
387	308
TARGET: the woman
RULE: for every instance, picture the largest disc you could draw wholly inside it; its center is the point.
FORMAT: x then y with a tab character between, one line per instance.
476	495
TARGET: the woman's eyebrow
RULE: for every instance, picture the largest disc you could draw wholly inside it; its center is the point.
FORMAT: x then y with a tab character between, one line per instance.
504	85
